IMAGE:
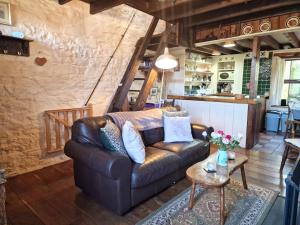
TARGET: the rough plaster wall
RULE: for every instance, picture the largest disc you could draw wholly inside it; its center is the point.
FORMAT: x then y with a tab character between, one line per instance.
77	46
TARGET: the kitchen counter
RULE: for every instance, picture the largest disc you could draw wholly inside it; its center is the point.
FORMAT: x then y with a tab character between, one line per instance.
213	98
233	116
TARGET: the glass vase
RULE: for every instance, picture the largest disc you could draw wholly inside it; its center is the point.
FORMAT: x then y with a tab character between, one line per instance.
222	157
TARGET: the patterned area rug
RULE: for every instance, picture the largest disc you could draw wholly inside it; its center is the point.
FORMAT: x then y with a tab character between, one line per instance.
243	207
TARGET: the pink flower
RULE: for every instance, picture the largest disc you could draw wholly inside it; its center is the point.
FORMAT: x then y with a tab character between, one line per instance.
220	132
225	141
228	136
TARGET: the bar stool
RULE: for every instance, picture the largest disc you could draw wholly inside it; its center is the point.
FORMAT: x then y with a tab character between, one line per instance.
290	143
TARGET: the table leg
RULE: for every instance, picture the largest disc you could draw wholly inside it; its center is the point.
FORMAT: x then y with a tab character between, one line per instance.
191	202
222	206
244	177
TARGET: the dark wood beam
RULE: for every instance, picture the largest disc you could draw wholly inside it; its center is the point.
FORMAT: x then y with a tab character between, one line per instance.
199	50
173	13
195	8
250	10
225	51
236	48
165	5
246	43
254	68
232	49
102	5
293	39
288	55
152	6
62	2
241	48
271	42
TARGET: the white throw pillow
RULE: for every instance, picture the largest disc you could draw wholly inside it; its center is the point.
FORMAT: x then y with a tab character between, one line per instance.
133	142
177	129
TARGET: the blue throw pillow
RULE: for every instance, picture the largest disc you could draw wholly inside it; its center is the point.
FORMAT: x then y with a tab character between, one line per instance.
111	138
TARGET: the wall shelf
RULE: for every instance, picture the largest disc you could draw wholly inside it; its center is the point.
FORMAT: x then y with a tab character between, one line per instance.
14	46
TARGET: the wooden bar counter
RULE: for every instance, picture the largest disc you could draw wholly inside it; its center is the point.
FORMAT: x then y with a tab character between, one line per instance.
234	116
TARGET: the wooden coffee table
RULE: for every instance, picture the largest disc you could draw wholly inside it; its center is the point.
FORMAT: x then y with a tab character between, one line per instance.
198	175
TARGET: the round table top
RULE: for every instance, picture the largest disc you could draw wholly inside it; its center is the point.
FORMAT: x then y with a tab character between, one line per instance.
196	173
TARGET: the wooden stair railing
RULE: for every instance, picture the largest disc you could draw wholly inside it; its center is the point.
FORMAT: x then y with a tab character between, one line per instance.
58	125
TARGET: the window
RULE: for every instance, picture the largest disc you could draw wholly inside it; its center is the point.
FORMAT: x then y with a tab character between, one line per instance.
291	72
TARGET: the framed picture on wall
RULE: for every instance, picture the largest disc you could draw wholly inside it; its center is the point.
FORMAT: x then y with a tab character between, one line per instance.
153	91
5	15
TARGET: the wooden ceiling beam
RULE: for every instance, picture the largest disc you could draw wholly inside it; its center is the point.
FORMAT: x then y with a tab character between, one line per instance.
293	39
102	5
62	2
175	12
152	6
250	10
271	42
165	5
238	48
246	43
225	51
203	51
291	55
199	7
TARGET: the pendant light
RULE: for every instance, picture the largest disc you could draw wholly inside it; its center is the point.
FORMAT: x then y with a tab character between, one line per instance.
166	61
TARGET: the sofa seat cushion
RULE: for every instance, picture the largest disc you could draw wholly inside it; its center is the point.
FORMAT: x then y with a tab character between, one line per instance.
158	163
189	152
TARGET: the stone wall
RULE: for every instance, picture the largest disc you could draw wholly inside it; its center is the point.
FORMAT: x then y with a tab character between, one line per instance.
77	46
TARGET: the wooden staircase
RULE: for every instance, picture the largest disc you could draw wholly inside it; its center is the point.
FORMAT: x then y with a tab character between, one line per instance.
148	49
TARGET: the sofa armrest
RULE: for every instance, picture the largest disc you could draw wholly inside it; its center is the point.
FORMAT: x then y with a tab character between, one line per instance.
198	129
110	164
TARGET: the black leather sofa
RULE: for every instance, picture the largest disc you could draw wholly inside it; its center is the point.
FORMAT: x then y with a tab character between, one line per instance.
118	183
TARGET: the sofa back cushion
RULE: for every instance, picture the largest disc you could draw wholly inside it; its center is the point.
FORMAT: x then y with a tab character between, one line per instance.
87	130
152	136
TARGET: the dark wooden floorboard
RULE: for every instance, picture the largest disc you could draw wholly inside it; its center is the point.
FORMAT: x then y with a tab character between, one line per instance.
49	196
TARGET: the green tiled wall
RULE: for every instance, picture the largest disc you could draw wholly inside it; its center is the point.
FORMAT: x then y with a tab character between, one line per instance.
264	77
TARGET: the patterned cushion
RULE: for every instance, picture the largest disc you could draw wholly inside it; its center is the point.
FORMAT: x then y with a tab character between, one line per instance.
111	138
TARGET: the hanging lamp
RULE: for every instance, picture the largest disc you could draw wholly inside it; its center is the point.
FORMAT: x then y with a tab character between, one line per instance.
166	61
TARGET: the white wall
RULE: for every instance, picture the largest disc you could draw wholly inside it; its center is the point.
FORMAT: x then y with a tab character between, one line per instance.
77	46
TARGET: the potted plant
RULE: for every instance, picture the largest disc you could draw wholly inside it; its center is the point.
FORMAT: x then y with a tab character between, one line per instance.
226	145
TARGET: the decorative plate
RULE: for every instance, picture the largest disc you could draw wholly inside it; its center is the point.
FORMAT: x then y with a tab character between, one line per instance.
265	26
247	29
292	21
